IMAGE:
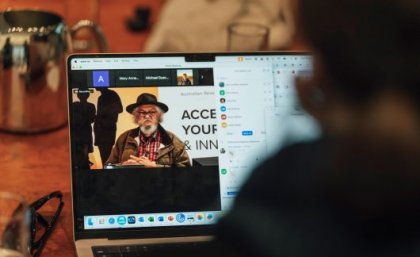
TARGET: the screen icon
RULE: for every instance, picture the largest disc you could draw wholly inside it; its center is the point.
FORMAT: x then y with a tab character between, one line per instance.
221	84
111	221
191	218
151	219
122	220
223	108
141	219
210	216
223	171
222	92
131	219
171	218
200	216
90	221
161	219
180	217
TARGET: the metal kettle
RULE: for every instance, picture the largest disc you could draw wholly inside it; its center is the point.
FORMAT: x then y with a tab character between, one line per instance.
33	48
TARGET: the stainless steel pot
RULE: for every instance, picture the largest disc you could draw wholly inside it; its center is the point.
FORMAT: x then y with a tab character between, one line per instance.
33	48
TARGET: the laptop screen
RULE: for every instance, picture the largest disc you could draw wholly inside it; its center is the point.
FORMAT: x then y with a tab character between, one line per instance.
167	140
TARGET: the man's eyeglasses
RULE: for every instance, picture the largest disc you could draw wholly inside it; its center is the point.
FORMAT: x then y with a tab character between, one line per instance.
44	214
144	114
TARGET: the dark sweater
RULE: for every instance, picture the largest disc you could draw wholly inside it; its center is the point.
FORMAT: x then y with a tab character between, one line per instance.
308	200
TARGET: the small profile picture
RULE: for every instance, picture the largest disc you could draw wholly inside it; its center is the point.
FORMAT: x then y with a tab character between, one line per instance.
221	84
222	151
223	116
222	100
184	77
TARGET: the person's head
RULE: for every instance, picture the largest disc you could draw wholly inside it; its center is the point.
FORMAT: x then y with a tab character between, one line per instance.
364	49
83	95
185	75
147	112
366	89
148	117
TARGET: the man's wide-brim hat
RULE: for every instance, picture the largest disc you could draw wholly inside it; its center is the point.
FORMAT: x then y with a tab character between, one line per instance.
146	98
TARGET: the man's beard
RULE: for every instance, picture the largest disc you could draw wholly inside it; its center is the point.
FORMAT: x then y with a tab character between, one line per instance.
148	130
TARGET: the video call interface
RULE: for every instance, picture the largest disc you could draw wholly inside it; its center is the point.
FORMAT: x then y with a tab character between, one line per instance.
158	141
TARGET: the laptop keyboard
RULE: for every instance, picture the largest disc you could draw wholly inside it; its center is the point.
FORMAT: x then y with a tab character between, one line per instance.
149	250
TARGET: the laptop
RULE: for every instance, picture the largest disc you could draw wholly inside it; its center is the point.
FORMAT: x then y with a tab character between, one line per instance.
161	143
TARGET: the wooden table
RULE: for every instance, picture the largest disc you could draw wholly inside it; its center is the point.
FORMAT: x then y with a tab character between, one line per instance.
35	165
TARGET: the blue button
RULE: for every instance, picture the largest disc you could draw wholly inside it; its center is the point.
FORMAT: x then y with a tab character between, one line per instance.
180	217
234	193
100	78
247	133
122	220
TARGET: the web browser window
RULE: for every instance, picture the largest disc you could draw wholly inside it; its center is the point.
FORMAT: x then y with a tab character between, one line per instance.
215	122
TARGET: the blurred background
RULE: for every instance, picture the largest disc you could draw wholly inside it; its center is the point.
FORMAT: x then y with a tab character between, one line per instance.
169	25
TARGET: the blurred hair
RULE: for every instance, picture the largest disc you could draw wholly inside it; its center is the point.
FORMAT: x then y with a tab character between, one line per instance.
367	46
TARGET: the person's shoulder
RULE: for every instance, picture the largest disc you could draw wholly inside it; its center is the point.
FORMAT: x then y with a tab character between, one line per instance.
292	163
302	153
275	191
170	138
130	132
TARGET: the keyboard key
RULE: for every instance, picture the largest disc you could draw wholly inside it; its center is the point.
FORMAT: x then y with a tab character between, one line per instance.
128	248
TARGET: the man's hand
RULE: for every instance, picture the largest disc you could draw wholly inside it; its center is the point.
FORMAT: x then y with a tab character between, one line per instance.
142	160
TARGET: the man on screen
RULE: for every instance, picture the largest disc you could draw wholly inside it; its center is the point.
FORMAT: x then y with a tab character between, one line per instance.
149	145
185	80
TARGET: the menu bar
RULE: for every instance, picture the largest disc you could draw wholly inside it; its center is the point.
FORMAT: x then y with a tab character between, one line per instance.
131	63
160	62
